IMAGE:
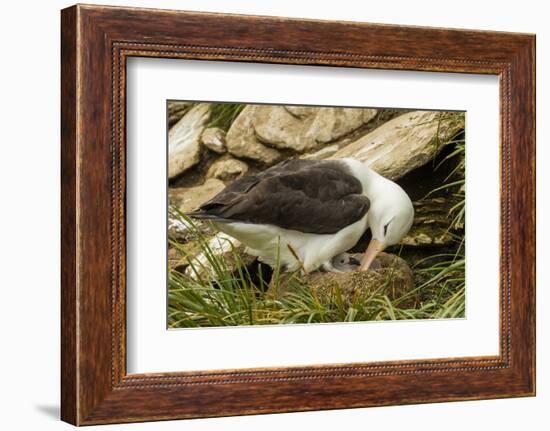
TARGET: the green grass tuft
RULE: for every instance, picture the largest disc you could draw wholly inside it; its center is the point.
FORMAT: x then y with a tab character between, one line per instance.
214	294
222	115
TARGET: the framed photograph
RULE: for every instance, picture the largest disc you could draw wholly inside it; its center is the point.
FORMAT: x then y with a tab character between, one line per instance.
263	214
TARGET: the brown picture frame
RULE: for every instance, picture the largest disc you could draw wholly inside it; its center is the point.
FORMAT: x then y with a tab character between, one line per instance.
95	43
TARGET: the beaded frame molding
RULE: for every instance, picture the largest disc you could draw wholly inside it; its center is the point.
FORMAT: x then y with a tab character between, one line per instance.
95	43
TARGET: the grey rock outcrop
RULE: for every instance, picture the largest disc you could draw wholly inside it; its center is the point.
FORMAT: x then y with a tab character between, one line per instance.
227	169
223	248
261	132
190	198
184	140
176	110
213	138
404	143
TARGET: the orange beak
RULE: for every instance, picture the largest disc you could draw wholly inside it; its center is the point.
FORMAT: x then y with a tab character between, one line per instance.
373	249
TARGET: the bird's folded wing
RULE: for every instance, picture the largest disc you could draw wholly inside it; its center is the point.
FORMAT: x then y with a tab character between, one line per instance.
319	198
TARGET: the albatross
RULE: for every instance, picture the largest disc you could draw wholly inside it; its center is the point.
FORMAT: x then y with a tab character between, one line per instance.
301	214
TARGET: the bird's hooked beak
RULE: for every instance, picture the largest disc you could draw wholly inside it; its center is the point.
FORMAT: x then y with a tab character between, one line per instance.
373	249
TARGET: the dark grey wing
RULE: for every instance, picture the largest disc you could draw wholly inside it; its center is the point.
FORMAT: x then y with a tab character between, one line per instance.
305	195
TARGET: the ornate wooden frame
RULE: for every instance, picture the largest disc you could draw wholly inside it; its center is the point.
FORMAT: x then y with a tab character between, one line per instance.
95	43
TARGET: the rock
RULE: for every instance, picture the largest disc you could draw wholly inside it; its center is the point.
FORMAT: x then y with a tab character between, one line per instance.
176	260
404	143
389	275
176	110
227	169
303	129
323	153
183	140
431	223
418	238
190	198
213	138
223	247
260	130
178	228
242	142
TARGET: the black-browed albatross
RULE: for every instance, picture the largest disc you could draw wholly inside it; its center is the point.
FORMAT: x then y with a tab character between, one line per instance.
303	213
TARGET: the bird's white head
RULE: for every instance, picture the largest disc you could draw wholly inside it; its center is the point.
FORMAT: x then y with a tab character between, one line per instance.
390	215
